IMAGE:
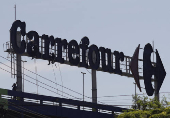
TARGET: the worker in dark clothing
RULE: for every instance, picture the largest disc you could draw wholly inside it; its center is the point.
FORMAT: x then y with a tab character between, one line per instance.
51	58
14	88
35	50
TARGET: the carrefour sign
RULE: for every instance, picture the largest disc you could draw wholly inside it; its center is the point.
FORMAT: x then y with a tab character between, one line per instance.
91	55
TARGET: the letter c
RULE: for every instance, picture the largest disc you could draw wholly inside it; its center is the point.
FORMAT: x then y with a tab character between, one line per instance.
13	36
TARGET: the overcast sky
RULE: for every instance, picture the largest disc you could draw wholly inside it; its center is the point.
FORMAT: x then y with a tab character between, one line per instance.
116	24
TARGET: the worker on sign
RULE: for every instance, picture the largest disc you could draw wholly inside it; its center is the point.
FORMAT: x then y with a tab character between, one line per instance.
14	88
51	59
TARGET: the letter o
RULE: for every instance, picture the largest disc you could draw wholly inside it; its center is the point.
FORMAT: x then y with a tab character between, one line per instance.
93	49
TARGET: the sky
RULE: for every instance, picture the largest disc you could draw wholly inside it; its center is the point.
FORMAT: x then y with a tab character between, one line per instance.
116	24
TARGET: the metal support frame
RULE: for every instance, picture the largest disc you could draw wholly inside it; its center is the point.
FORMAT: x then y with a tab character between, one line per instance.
135	96
94	86
125	68
18	65
156	94
83	84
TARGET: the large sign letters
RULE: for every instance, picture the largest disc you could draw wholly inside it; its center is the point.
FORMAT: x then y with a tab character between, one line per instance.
83	55
92	52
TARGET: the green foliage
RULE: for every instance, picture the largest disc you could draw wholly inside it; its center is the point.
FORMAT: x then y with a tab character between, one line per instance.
135	114
143	107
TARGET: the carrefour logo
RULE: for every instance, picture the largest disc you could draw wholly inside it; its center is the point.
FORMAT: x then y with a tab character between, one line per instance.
86	56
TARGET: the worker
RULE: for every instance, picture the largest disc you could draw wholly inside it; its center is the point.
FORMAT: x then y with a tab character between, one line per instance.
35	50
14	88
51	58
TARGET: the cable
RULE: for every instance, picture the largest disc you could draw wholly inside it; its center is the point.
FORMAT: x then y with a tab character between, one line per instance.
117	95
44	87
36	74
119	102
55	77
40	86
121	105
53	82
116	100
88	71
56	83
42	83
112	96
56	93
48	79
61	78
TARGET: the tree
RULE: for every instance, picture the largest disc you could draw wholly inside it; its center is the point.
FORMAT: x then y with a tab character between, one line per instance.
147	108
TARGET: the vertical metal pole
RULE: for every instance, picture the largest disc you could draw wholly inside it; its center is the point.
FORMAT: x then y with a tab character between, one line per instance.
135	95
94	87
19	66
15	11
83	88
126	66
156	89
11	61
11	58
36	74
14	62
83	85
155	80
23	77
